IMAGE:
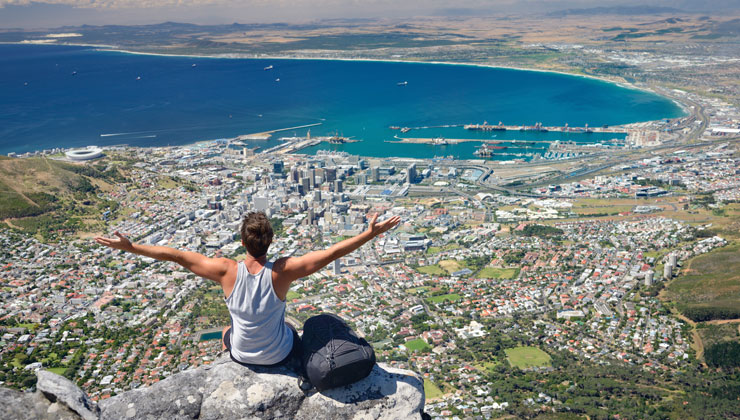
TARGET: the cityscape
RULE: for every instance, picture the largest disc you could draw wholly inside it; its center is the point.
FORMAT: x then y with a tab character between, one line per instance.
591	281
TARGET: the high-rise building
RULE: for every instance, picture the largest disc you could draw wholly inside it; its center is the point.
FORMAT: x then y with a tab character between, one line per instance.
667	271
411	173
374	174
261	203
294	175
330	174
649	279
337	267
309	216
306	185
277	167
338	186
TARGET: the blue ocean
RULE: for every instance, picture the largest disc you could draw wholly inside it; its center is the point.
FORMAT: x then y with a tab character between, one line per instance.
67	96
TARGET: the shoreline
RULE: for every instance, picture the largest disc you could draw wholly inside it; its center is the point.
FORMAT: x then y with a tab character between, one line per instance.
241	56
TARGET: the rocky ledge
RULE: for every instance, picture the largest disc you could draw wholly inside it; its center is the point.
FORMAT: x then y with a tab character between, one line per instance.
225	390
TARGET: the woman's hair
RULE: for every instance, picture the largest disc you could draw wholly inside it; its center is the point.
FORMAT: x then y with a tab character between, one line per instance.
256	233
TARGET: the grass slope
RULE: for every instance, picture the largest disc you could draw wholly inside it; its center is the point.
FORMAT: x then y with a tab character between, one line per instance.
709	287
40	195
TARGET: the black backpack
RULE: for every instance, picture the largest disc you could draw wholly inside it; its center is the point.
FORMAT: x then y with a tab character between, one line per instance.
333	355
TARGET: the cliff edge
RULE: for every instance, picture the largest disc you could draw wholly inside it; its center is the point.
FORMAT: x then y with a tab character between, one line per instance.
225	390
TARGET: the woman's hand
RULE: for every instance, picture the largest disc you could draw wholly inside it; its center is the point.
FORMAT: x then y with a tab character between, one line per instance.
376	229
121	243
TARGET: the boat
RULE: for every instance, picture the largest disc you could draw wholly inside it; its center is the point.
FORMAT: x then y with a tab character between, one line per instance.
336	139
405	130
194	65
277	80
268	68
138	77
394	127
439	141
487	150
74	73
404	83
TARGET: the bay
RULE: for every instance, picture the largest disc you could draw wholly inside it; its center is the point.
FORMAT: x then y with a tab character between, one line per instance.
71	96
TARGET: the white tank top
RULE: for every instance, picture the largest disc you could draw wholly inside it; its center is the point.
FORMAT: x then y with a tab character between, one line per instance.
259	334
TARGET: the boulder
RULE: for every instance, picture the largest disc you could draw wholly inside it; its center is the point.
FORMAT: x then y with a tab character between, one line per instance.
226	390
57	388
15	405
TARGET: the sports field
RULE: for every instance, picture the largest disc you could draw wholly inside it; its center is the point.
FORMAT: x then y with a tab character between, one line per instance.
417	344
498	273
527	357
432	269
452	297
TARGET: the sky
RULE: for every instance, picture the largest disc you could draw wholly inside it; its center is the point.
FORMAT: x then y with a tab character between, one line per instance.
29	14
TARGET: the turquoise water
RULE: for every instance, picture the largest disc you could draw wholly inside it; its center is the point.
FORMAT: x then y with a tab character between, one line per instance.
210	336
62	96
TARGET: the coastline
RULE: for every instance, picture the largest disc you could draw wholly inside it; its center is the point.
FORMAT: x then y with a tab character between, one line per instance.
108	48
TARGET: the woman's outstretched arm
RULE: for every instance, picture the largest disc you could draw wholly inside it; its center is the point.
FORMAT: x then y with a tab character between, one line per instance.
215	269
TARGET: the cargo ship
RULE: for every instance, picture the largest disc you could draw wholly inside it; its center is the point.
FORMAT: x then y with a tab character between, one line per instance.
485	127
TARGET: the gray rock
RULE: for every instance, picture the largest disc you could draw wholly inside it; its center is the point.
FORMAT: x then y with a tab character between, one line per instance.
225	390
15	405
387	393
235	391
177	397
59	389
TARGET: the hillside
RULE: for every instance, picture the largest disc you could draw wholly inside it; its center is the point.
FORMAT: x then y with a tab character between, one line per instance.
46	197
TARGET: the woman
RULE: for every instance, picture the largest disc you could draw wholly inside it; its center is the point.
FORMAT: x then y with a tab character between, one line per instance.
255	289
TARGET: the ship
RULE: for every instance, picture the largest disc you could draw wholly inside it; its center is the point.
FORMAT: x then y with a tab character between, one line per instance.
485	127
268	68
487	150
537	127
337	140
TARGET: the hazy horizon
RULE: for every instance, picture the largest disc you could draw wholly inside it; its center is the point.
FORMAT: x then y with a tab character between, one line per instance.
56	13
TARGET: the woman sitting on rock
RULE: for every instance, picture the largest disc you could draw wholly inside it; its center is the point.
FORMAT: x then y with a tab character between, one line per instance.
255	289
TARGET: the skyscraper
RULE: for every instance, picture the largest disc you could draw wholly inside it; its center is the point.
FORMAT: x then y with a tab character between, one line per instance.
411	173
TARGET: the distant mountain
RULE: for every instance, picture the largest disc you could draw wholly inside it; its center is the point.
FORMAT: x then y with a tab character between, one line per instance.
616	10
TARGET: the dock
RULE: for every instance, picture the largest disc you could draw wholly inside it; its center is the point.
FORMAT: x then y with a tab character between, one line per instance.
266	135
541	128
443	142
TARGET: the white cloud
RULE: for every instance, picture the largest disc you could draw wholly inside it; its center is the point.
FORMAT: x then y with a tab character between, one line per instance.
113	4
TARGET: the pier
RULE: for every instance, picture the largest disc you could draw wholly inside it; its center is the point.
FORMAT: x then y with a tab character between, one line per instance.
444	141
266	135
539	127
